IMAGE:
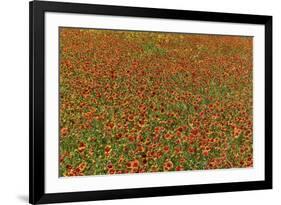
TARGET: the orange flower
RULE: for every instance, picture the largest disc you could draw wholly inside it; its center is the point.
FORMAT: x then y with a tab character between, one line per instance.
179	168
111	171
178	133
64	131
191	150
82	147
168	165
180	129
140	148
178	149
236	132
144	161
129	164
107	150
130	118
121	159
110	125
166	149
118	136
110	166
135	163
205	153
142	108
69	167
91	152
141	123
82	166
157	130
139	138
131	138
168	136
194	131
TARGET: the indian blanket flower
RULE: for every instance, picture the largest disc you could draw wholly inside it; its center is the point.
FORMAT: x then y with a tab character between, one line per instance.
136	102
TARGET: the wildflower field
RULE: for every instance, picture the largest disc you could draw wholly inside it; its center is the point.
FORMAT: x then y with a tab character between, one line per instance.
134	102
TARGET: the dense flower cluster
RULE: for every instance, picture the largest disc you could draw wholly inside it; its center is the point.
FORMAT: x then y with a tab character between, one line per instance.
133	102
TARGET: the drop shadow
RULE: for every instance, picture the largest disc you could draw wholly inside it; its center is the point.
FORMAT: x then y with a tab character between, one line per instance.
23	198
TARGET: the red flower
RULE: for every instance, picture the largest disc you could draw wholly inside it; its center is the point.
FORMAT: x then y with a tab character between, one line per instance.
191	150
178	133
135	163
64	131
142	108
168	136
111	171
180	129
129	164
82	166
82	147
68	167
131	138
194	131
131	118
157	130
236	132
166	149
179	168
144	161
107	150
118	136
110	166
205	153
168	165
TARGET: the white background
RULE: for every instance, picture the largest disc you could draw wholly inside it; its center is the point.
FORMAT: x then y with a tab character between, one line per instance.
66	184
14	100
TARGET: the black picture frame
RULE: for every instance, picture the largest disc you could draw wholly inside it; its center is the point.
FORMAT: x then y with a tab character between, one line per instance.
37	11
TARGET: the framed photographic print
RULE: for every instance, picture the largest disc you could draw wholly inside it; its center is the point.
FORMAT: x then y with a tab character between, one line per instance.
140	102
